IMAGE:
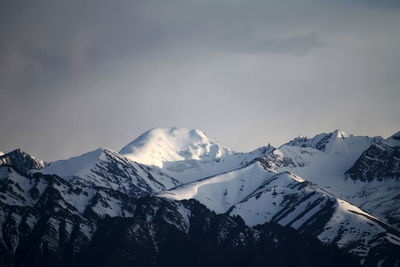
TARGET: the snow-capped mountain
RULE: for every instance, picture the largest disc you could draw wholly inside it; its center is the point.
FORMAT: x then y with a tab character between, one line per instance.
161	146
186	154
336	142
21	160
46	220
172	194
377	171
351	174
259	195
379	162
394	140
322	168
323	159
106	168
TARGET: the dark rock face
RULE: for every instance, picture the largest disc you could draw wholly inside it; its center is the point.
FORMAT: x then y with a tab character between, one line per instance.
379	168
210	240
107	169
379	162
21	161
320	142
158	235
48	221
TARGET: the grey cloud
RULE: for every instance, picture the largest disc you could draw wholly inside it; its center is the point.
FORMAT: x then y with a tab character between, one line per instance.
295	45
75	76
56	39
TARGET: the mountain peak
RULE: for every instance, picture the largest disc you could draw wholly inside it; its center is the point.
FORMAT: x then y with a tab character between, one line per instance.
191	135
162	145
339	134
394	140
75	166
336	142
21	160
396	136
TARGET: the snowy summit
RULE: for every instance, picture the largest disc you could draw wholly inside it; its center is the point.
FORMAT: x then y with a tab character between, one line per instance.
161	146
186	154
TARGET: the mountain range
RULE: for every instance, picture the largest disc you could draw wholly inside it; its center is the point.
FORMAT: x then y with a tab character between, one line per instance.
175	197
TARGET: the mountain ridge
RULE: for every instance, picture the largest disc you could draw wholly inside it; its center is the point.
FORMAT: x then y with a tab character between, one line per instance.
186	154
303	184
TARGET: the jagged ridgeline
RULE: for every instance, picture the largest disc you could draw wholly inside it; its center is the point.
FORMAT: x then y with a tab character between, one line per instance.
175	197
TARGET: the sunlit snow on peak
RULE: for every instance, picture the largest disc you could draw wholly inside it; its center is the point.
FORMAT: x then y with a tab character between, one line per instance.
187	154
336	142
164	145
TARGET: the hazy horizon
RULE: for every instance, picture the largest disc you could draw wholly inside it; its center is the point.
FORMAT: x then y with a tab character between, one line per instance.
78	76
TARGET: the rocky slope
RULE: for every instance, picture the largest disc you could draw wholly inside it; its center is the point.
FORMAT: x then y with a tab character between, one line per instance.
259	195
175	197
377	170
106	168
21	161
47	221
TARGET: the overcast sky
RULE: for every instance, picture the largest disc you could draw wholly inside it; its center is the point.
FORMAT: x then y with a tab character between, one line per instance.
77	75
